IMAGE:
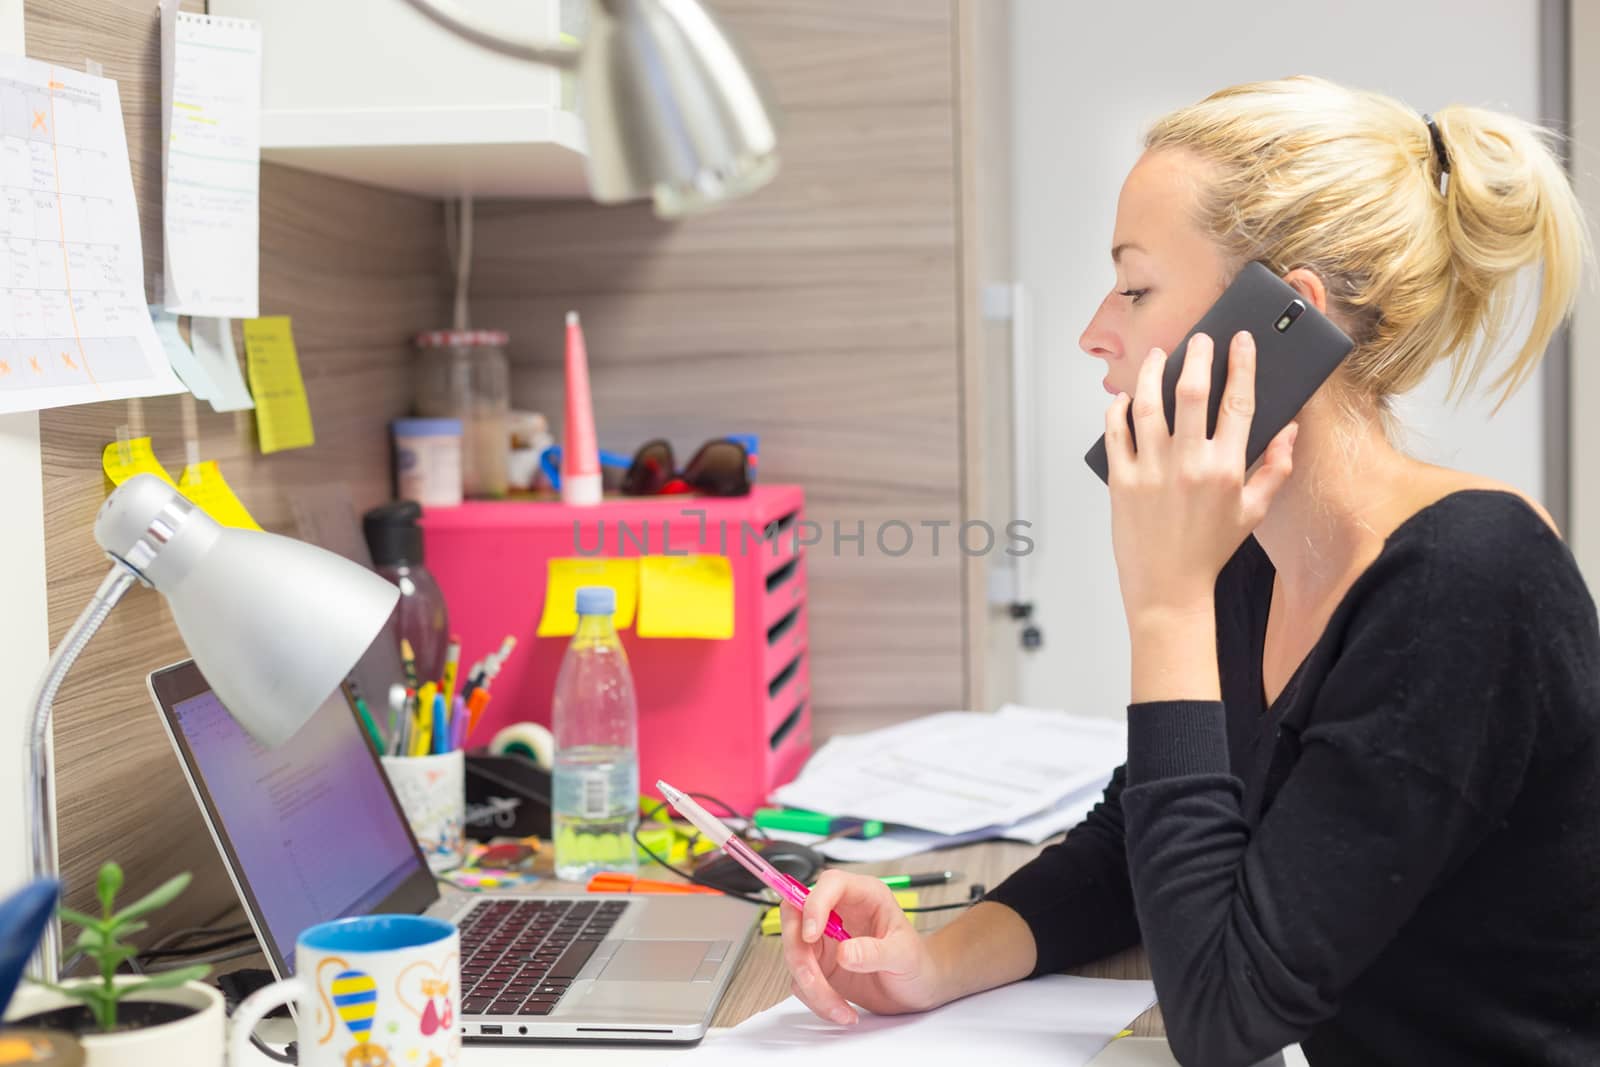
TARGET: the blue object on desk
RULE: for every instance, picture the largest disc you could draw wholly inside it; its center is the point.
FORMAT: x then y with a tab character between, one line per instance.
550	463
22	919
441	729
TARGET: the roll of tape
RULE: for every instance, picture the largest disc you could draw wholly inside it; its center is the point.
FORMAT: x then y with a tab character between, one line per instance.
526	739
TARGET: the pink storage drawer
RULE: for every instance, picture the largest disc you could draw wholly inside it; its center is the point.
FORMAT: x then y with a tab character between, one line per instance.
711	718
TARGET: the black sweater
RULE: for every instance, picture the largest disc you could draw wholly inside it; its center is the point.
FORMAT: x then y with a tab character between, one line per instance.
1396	863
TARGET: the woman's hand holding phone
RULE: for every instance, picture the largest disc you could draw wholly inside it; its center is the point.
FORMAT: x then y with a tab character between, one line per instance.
1182	503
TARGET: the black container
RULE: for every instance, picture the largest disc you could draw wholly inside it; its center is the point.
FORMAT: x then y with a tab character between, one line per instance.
507	796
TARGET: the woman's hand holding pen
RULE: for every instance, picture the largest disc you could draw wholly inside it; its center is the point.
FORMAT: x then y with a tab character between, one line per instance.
887	968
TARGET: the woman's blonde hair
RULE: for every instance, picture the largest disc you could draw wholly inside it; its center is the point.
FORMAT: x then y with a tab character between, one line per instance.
1306	173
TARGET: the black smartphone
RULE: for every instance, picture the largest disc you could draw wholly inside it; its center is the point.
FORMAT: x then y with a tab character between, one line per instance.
1297	347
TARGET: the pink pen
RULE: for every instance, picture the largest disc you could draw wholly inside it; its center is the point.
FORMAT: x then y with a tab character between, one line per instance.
785	886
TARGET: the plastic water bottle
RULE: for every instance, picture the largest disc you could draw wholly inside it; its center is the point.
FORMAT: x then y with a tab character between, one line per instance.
595	807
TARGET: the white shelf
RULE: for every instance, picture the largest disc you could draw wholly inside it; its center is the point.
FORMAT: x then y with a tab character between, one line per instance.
442	152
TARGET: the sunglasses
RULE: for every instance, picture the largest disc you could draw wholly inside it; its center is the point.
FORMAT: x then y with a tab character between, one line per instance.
718	468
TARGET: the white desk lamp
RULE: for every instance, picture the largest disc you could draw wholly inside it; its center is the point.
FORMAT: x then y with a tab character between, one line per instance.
273	623
671	108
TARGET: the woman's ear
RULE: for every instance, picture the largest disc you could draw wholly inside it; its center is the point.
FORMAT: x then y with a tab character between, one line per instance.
1309	285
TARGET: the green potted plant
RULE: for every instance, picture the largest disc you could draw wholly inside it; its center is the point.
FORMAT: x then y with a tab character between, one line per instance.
124	1020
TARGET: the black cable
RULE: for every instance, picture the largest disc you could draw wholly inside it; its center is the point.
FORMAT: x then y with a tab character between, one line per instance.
288	1055
243	949
685	875
193	950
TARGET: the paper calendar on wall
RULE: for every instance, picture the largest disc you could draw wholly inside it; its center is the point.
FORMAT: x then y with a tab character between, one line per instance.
74	326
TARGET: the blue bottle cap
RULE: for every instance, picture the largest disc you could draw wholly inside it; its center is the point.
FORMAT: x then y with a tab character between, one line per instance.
597	600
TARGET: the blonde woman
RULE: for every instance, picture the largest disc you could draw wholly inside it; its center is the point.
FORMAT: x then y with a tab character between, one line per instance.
1361	805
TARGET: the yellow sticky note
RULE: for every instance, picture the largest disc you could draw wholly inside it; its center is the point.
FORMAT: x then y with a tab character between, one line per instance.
204	484
139	460
686	596
283	418
772	923
563	579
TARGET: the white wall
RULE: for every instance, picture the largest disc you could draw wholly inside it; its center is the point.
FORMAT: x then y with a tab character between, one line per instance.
23	620
1087	81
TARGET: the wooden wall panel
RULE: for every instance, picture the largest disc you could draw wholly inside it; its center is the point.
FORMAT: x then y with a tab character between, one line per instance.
820	313
359	270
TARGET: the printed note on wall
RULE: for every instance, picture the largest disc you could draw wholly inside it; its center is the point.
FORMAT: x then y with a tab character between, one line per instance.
74	327
211	163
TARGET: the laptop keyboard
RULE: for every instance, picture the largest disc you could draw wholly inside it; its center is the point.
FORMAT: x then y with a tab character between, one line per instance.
519	957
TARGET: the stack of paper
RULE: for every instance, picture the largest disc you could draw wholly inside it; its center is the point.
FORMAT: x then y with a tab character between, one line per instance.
1020	773
1058	1020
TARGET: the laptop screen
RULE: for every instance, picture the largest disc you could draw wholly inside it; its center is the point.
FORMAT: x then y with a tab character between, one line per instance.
310	830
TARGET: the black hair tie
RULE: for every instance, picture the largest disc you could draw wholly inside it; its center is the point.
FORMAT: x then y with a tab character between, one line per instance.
1439	152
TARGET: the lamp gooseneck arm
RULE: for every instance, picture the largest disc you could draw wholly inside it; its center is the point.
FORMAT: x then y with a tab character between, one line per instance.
41	791
449	15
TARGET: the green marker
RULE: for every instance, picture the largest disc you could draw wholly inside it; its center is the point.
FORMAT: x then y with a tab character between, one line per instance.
914	881
366	719
811	822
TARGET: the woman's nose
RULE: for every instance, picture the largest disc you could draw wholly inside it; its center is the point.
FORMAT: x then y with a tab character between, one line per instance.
1099	339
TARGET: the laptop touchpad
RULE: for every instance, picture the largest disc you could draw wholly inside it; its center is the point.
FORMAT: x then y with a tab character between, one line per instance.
655	961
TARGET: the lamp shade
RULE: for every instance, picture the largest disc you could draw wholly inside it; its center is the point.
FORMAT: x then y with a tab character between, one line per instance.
673	111
273	623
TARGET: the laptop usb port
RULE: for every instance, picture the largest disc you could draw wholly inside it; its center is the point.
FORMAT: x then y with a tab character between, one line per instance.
489	1030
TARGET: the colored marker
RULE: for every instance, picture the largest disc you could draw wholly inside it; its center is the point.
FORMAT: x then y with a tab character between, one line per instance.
422	741
452	664
408	661
475	706
441	725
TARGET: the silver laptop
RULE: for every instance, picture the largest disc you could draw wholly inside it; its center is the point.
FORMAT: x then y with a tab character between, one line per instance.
310	831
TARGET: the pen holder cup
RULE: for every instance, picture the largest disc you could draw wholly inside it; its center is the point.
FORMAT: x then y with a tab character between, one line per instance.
432	792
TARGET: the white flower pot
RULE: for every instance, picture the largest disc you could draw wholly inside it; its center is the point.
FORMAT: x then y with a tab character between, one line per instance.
196	1040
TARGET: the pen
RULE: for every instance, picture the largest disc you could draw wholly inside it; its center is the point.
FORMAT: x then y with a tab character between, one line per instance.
475	706
458	723
786	887
408	660
495	660
441	726
397	707
422	740
366	717
452	664
913	881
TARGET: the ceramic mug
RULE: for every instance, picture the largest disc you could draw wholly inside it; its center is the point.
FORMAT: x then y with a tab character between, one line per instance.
433	793
370	991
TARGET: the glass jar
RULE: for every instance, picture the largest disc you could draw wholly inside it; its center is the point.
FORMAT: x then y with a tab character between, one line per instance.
463	374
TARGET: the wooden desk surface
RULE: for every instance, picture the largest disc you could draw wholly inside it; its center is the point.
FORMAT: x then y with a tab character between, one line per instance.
762	980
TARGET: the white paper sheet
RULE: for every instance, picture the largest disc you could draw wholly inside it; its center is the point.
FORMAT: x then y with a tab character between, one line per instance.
211	163
214	351
1059	1020
74	328
179	354
898	844
959	771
